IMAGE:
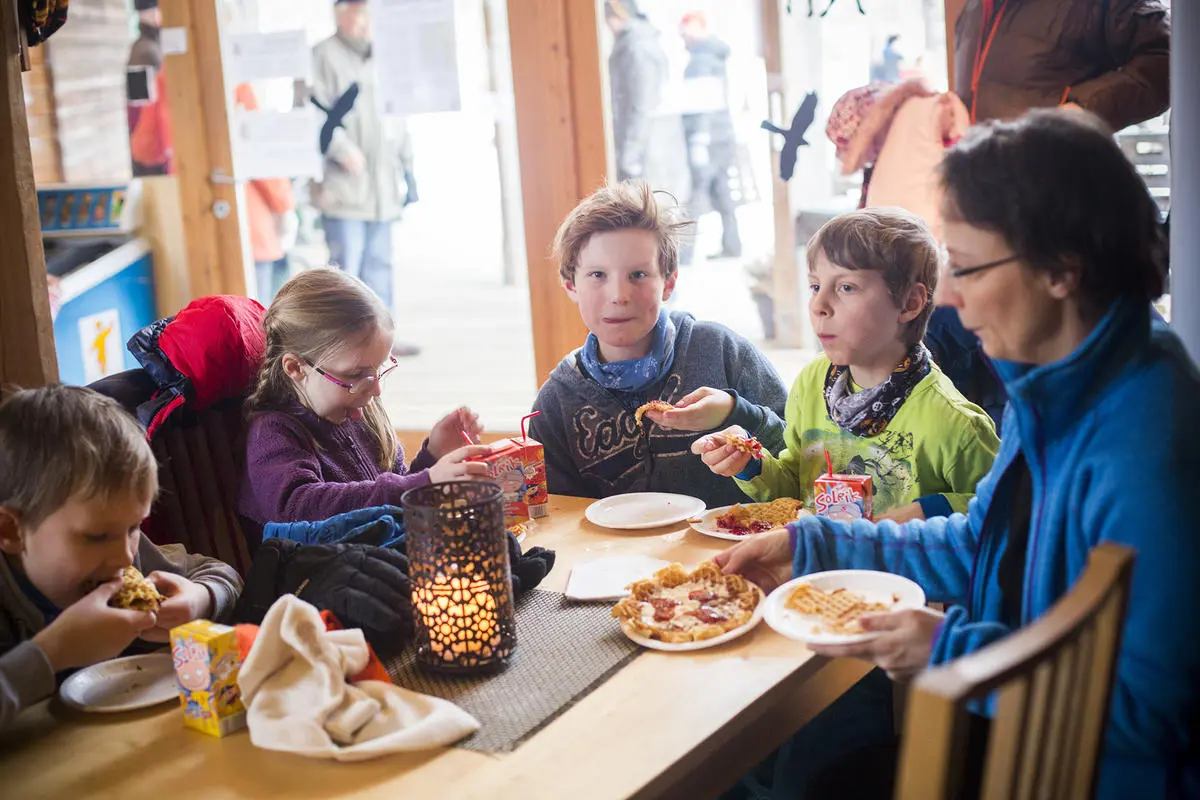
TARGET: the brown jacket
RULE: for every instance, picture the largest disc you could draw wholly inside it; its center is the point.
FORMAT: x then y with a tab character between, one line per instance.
1109	56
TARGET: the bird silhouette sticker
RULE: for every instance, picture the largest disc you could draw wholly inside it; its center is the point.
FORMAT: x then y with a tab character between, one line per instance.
793	137
335	115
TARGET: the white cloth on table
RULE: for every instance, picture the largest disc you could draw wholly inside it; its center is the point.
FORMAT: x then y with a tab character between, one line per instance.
295	685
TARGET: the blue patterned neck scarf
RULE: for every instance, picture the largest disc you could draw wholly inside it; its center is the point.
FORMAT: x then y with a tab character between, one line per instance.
638	373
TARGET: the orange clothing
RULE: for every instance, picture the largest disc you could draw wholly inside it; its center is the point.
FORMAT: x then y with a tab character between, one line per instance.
151	142
266	198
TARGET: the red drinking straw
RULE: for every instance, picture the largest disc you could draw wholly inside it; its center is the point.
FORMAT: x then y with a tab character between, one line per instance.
828	462
466	436
524	419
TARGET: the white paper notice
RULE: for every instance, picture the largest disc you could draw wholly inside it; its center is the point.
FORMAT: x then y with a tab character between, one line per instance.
100	336
260	56
416	64
273	144
173	41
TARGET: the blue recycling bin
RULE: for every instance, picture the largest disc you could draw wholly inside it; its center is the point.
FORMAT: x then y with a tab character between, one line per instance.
104	302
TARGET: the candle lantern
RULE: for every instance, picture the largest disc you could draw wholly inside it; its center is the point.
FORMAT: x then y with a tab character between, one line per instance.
461	578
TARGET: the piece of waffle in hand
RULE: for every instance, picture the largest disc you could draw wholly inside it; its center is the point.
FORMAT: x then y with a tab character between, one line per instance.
136	592
653	405
839	610
745	444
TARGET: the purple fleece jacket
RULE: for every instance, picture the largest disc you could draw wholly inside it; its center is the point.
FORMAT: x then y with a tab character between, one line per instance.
300	467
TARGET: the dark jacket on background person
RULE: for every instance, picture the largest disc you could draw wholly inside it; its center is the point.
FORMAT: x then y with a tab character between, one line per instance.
146	50
637	71
710	128
1110	57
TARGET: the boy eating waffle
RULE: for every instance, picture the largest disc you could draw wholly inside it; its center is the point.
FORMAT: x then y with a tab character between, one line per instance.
620	413
874	400
76	480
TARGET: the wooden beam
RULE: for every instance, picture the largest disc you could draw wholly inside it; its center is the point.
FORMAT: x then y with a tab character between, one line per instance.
791	317
560	137
27	355
199	110
953	10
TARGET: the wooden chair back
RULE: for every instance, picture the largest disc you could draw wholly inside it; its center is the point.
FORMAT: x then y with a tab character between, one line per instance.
1052	682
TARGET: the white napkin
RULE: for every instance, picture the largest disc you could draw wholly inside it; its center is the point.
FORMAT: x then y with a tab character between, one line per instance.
298	699
609	578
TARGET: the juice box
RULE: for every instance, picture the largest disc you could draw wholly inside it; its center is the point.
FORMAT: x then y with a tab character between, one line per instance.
206	670
519	466
844	497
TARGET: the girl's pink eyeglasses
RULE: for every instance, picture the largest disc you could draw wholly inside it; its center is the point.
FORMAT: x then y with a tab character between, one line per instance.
362	384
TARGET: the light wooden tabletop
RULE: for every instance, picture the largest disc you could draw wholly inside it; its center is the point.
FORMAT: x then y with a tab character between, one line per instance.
667	725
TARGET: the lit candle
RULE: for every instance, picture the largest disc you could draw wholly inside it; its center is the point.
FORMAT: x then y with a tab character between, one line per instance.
458	564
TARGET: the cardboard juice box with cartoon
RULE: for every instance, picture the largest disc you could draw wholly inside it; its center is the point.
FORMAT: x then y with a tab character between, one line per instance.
206	670
519	466
844	497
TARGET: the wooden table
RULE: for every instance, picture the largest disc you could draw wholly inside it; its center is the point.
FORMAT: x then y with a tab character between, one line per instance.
667	725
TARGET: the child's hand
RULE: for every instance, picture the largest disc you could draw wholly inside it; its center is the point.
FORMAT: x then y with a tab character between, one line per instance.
90	630
701	410
447	434
765	560
185	602
723	459
454	465
903	514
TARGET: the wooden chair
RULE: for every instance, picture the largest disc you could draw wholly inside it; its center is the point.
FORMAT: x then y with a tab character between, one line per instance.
1052	681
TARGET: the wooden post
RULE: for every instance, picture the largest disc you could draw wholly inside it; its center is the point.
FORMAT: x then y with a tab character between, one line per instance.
27	355
791	319
953	9
560	136
199	109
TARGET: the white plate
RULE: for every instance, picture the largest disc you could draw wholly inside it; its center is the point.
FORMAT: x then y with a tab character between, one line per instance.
641	510
609	578
681	647
122	684
707	524
873	585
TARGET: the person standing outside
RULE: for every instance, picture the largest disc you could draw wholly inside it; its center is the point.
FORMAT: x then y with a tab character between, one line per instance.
368	165
149	130
637	69
711	140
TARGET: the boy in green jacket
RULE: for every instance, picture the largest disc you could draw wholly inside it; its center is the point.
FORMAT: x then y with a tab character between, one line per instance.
875	400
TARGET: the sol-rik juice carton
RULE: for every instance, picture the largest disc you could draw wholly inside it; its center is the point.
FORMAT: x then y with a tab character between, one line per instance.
844	497
519	466
206	668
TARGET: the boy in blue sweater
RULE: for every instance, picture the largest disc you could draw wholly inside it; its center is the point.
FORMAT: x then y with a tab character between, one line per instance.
618	257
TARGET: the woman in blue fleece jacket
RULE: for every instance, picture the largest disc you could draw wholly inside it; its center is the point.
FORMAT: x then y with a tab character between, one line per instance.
1055	255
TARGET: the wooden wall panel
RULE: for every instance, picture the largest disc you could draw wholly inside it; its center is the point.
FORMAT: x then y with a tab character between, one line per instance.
87	60
560	137
40	116
26	333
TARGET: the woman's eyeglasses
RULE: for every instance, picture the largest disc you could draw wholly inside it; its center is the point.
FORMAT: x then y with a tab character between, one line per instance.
965	271
362	384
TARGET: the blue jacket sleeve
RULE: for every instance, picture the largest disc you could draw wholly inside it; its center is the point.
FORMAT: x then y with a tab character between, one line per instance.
937	554
959	636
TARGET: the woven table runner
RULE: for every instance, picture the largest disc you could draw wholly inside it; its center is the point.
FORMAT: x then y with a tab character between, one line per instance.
564	651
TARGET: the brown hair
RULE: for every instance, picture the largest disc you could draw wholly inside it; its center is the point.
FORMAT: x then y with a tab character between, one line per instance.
629	205
890	241
59	442
314	315
1059	190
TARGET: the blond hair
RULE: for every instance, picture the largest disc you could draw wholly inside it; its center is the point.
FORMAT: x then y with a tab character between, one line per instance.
60	442
630	205
315	315
891	241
